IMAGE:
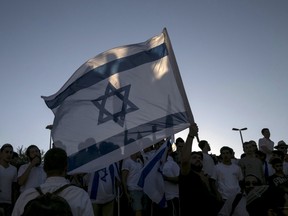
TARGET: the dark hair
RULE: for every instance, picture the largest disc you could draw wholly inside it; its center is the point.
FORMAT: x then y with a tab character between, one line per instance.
264	129
279	153
259	182
15	155
6	145
242	182
260	153
202	144
55	161
275	161
179	139
226	148
198	153
246	143
29	148
253	142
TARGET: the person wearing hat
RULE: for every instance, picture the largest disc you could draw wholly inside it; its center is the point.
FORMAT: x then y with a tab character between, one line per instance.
282	146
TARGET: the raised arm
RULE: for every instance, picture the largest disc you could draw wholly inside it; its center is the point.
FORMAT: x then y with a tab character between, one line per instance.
187	148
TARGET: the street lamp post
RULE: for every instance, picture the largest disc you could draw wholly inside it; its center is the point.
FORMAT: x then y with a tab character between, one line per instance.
49	127
240	131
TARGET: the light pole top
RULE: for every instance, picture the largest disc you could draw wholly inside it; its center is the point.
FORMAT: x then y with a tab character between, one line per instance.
240	131
236	129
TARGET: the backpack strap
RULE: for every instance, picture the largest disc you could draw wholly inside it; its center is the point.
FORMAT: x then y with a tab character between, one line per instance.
56	191
39	190
235	202
61	188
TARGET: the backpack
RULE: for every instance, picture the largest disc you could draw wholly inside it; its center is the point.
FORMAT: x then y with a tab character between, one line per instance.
48	204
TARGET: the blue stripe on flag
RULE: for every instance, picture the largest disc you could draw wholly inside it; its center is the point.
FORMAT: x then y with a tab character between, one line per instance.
91	153
95	184
104	71
149	167
112	175
151	179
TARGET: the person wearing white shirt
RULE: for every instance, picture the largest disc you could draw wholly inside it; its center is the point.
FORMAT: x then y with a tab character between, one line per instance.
102	188
8	179
171	171
265	144
227	174
208	162
131	171
32	173
55	165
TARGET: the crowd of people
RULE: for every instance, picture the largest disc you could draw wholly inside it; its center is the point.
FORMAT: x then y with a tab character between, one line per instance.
195	182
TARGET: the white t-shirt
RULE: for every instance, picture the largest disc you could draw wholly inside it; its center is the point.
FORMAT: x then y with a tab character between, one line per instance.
208	165
269	144
171	169
36	177
227	179
134	168
7	177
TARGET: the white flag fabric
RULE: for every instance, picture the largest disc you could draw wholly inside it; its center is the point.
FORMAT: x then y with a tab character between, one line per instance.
115	100
151	178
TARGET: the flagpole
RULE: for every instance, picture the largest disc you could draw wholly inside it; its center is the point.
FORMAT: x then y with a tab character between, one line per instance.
118	195
178	78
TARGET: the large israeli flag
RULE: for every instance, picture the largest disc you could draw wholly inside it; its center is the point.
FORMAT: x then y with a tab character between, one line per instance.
115	100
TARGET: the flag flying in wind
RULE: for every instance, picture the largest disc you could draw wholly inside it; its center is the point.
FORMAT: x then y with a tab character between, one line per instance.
115	100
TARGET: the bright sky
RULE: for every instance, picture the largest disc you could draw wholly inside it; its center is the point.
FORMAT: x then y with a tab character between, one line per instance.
232	56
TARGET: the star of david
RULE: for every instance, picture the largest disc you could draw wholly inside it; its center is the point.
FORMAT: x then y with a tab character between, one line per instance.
104	172
122	94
